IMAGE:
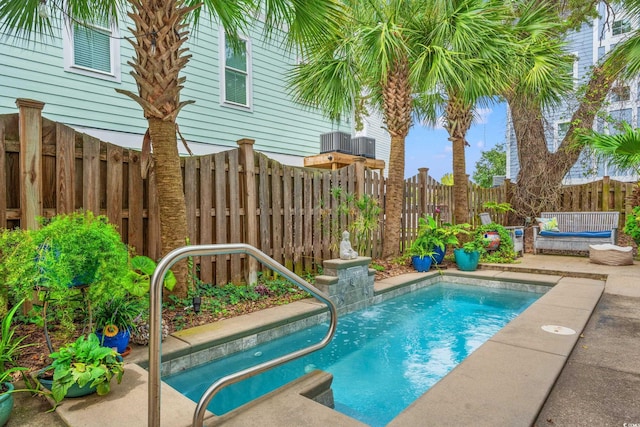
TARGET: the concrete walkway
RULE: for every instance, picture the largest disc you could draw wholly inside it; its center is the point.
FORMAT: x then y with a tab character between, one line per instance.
598	386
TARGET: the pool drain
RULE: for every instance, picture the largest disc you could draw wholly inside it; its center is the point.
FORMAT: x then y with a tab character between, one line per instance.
559	330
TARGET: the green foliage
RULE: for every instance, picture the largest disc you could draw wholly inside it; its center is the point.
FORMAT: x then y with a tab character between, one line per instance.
621	150
218	299
432	236
138	279
474	245
498	207
377	267
120	310
10	347
68	250
363	215
447	179
632	225
85	362
492	163
504	253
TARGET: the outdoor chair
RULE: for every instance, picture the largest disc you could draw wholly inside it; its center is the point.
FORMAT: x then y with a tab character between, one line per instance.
516	232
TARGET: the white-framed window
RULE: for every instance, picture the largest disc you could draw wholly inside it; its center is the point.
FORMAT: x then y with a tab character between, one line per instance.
92	50
236	75
620	26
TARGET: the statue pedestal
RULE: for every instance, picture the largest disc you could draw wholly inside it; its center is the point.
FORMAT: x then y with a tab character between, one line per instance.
348	283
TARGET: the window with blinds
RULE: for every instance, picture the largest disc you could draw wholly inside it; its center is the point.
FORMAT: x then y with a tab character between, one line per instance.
237	72
92	50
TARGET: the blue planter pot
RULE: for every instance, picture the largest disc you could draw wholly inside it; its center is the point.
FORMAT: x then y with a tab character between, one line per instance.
421	264
467	261
120	341
6	404
438	256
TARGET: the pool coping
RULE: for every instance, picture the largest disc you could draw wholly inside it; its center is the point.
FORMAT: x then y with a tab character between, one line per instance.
449	401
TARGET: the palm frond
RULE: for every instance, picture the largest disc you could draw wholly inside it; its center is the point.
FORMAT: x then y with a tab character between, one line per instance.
621	150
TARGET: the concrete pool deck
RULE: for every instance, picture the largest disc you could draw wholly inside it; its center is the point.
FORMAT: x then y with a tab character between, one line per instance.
511	380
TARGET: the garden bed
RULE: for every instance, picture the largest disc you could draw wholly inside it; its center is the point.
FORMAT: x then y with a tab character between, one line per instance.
177	317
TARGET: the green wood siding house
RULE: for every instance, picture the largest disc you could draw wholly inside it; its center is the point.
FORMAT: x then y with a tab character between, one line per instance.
239	94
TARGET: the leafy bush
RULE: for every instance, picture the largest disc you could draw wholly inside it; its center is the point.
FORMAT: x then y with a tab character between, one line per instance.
504	253
632	225
68	250
85	362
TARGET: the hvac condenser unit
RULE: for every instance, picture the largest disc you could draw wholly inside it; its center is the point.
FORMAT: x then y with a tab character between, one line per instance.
363	146
335	141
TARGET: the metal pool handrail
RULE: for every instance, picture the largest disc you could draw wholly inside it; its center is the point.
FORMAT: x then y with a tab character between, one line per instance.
155	330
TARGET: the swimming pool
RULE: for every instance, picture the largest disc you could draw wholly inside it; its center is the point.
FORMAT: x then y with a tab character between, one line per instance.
382	357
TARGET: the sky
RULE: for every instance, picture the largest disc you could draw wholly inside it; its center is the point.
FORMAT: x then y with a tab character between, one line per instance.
428	147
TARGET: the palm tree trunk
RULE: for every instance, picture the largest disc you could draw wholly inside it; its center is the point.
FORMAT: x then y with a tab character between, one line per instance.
173	215
458	118
394	199
397	115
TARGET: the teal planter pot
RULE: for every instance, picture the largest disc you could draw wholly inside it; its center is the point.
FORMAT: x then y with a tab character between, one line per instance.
421	264
6	404
74	391
467	261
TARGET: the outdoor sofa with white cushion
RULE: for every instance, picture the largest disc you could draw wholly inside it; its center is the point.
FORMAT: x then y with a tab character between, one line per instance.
576	231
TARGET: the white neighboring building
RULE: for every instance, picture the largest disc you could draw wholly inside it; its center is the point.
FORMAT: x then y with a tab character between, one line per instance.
589	45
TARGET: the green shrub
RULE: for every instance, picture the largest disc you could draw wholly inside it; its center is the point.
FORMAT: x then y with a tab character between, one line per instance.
632	225
504	253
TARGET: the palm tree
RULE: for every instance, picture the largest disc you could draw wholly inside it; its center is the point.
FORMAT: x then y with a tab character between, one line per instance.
384	54
479	32
160	32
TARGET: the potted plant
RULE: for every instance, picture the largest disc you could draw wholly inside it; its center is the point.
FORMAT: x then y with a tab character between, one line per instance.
115	319
468	256
69	251
432	240
9	348
82	367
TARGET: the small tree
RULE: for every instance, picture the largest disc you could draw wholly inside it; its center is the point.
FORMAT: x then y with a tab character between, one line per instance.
492	163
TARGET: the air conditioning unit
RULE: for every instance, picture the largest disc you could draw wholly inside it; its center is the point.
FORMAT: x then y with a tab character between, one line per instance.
363	146
335	141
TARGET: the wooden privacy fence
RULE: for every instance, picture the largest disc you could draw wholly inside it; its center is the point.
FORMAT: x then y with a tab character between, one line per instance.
424	195
237	196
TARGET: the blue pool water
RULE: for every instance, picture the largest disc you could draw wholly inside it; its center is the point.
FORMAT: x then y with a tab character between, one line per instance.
382	358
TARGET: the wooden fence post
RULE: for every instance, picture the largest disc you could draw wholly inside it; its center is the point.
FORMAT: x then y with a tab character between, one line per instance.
605	193
508	196
30	123
248	161
423	173
359	162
